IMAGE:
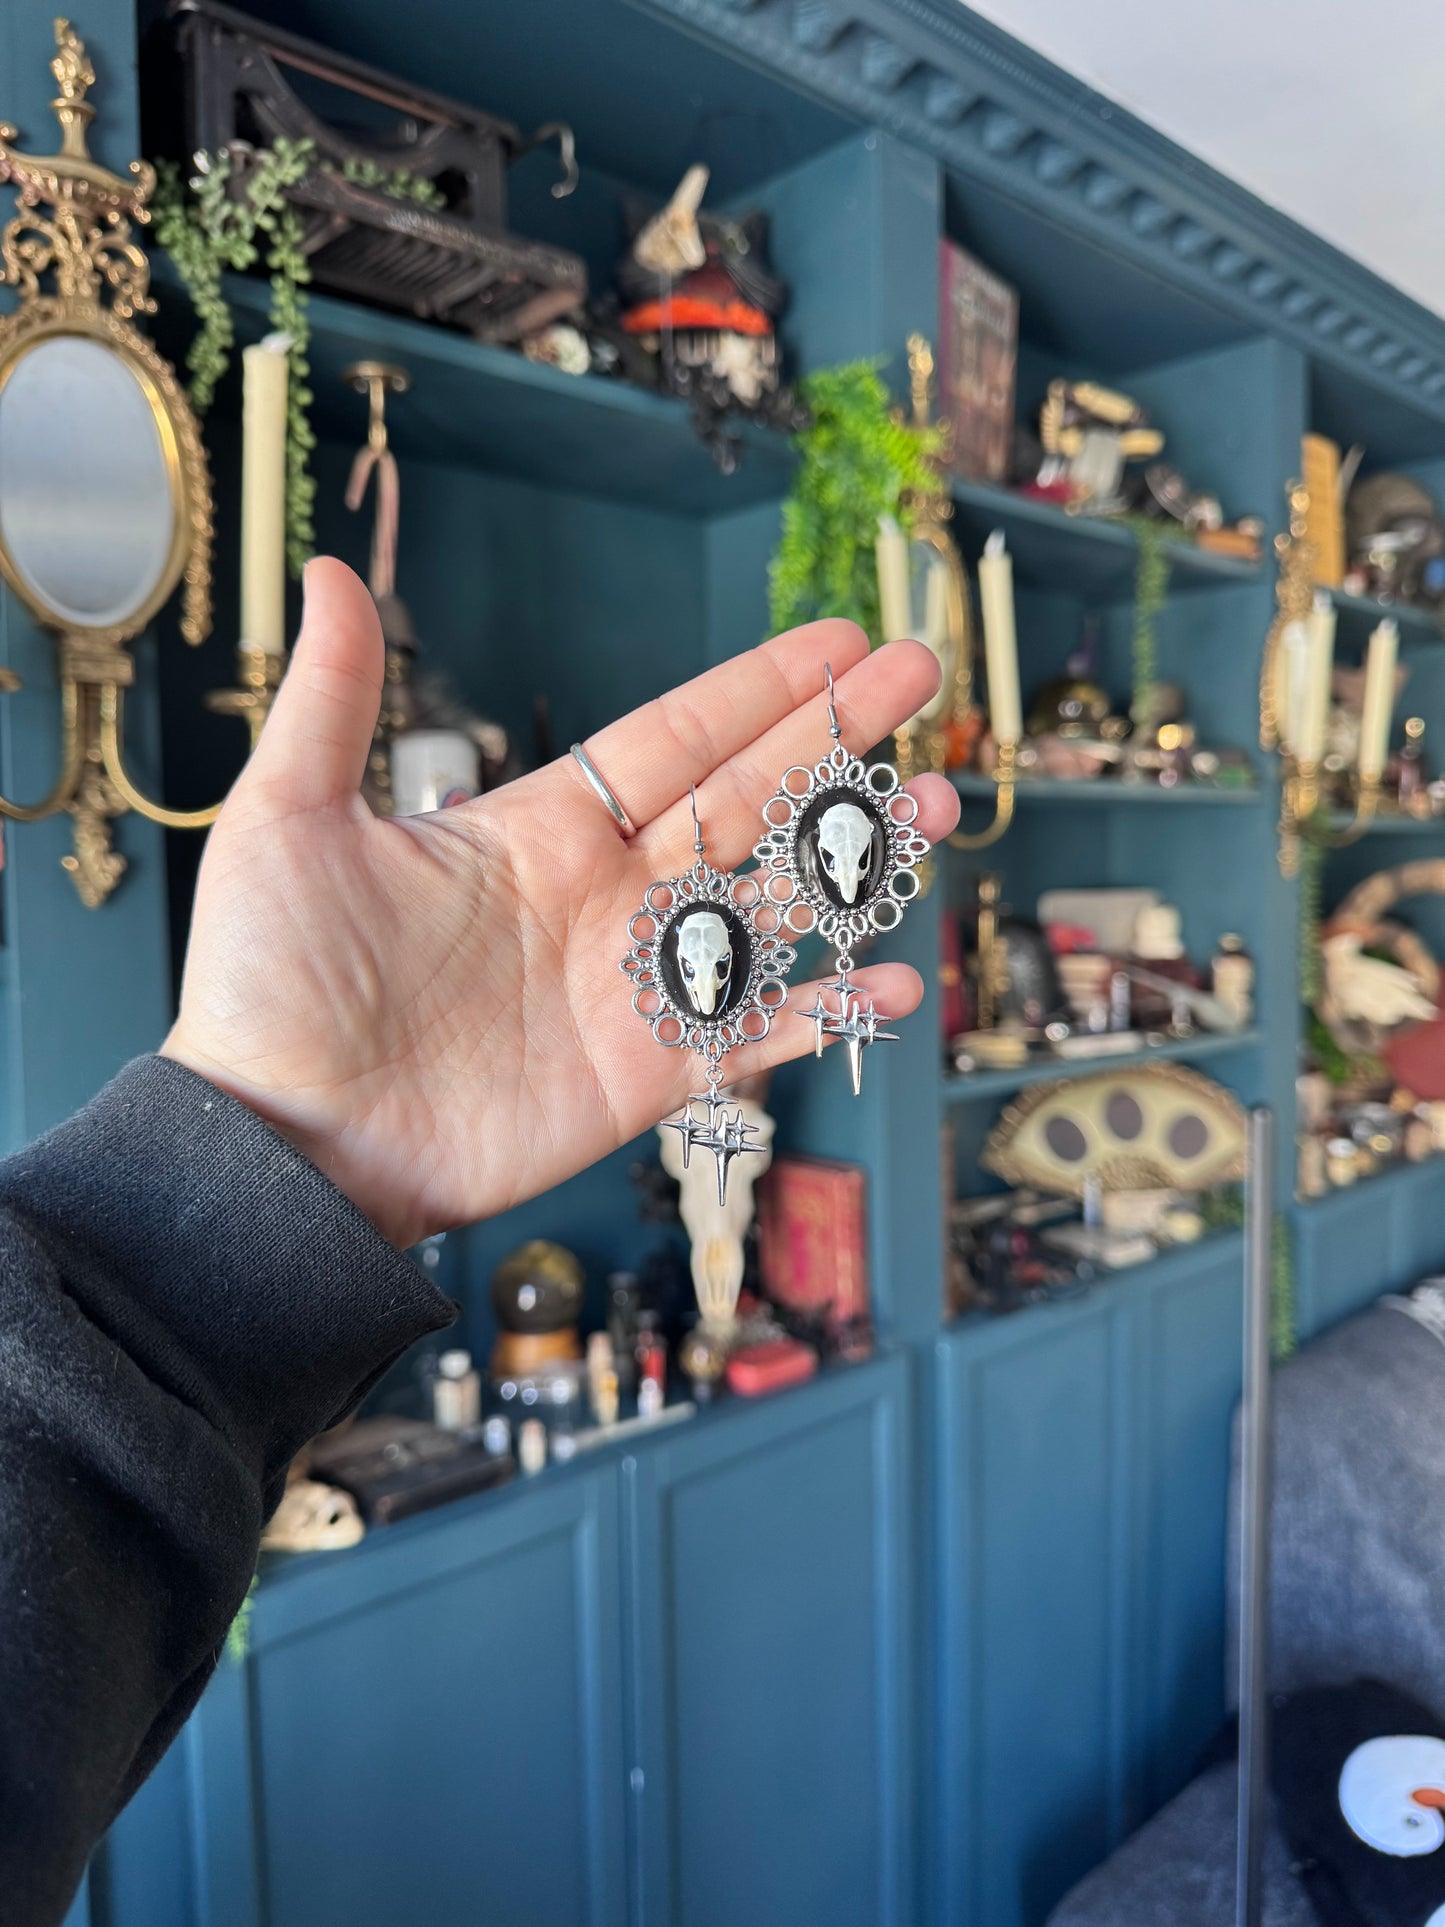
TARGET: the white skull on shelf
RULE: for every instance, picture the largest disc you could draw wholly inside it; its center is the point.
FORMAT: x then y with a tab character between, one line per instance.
705	957
845	843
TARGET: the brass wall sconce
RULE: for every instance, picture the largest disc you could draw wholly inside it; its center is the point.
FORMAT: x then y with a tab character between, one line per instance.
105	497
1294	698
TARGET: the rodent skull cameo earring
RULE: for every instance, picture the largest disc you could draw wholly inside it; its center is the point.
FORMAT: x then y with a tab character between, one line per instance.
708	960
842	855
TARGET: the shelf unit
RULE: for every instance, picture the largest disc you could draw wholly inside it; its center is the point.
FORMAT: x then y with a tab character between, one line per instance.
1108	793
1417	626
967	1087
1091	553
991	1563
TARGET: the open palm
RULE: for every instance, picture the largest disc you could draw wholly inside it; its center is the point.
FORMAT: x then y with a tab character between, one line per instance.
431	1007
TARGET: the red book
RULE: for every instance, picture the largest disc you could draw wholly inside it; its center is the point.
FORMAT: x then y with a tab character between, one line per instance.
812	1239
978	340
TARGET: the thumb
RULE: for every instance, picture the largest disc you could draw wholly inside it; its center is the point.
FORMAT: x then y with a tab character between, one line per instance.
317	738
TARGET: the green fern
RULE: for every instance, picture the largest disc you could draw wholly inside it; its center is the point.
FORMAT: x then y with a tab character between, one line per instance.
858	461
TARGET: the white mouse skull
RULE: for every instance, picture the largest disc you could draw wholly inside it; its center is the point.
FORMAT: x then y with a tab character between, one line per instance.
845	842
705	954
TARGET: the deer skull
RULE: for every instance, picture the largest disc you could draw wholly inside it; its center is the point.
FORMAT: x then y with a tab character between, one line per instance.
705	955
845	842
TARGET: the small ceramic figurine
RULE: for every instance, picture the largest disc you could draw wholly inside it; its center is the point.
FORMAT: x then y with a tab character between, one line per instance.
699	294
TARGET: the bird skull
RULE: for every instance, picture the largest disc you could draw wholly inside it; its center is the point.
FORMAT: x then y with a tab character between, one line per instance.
705	954
845	842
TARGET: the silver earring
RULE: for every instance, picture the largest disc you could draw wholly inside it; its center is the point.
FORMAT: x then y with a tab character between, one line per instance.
707	962
842	858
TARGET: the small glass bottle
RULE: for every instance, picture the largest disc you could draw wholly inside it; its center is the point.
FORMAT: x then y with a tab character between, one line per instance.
1231	974
651	1353
457	1393
602	1378
532	1445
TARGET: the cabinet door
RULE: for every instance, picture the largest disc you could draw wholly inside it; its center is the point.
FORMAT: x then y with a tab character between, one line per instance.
1081	1493
427	1730
769	1565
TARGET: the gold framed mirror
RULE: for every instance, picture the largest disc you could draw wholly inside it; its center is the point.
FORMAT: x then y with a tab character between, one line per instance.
105	494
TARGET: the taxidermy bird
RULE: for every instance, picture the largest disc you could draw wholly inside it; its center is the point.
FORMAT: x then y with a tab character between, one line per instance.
671	243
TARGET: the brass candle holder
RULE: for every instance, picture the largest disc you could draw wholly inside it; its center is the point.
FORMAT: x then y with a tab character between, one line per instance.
1301	818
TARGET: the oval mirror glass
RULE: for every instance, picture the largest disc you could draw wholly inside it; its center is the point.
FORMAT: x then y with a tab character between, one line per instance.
88	505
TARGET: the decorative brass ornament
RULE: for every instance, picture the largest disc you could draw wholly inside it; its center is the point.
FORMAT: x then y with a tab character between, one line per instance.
922	742
1294	594
105	496
1158	1126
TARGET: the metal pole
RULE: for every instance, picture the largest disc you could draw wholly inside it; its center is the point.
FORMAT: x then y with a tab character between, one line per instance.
1254	1483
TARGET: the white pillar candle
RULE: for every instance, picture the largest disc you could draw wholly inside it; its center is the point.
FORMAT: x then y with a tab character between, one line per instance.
1289	683
1319	667
1000	642
1379	699
263	496
890	551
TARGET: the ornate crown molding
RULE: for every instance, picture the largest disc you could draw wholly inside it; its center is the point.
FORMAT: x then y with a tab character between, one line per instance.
938	77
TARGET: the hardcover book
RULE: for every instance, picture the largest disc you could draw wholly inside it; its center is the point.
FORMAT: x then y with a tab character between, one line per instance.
812	1239
978	357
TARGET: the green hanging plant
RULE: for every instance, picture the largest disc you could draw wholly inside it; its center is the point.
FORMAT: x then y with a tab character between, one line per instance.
858	461
238	1635
1283	1331
208	230
399	182
1151	591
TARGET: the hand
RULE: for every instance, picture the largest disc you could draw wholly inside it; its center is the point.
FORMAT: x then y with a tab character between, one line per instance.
431	1008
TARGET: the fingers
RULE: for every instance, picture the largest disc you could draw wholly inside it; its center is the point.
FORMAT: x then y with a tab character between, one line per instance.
318	736
873	699
649	757
937	801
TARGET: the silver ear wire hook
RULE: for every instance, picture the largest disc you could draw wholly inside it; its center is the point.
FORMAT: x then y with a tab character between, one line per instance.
834	727
698	845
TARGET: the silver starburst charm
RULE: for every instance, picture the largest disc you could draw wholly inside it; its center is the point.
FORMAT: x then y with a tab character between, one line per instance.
854	1023
725	1132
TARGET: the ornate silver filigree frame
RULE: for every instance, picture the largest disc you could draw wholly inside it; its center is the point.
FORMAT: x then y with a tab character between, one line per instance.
878	790
750	1015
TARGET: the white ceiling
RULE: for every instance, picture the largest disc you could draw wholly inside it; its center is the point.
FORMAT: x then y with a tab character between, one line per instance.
1332	111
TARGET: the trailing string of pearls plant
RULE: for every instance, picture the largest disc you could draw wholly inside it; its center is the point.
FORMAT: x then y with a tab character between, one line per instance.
226	218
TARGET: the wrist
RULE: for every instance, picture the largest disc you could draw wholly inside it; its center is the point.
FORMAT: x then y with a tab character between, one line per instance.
292	1118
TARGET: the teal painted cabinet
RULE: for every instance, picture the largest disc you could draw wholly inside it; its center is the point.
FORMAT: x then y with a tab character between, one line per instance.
1079	1541
672	1688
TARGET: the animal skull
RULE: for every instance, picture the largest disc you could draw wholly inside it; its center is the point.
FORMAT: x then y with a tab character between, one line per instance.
845	842
705	953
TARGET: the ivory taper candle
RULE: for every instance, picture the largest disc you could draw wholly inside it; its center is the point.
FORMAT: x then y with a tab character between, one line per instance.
1290	683
263	496
1379	699
1319	662
890	551
1000	641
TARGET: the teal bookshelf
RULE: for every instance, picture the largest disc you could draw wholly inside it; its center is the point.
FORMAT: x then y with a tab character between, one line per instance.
917	1644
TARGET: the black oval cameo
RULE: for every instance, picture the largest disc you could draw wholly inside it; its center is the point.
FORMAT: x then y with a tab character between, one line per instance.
842	848
706	960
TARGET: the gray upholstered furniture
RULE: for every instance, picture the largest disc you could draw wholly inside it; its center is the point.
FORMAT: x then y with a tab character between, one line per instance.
1358	1549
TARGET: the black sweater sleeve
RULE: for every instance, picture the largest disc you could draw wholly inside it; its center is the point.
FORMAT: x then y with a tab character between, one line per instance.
184	1302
